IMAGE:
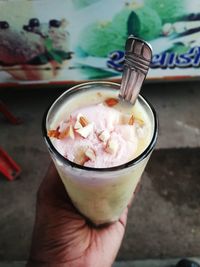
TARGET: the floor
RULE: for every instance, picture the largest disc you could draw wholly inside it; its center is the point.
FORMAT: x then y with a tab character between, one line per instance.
164	220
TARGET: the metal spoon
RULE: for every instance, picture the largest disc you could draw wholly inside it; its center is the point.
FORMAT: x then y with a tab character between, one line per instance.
138	54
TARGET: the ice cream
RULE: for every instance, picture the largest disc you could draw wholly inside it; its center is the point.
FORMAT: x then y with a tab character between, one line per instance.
99	39
16	47
108	134
36	51
100	147
111	131
103	37
144	23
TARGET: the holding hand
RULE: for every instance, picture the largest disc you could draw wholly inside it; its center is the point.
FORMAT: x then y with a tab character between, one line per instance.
62	237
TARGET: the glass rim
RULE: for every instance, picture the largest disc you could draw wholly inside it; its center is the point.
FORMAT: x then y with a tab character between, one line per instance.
126	165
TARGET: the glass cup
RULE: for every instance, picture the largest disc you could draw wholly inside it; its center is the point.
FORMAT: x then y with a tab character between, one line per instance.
100	194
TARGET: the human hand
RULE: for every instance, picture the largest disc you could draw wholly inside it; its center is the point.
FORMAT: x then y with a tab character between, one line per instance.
62	237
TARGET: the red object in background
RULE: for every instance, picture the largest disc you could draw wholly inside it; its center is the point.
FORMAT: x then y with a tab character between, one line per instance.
8	115
8	167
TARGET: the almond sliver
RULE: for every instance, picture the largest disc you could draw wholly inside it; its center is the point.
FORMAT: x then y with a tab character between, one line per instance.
80	157
104	135
64	133
111	102
83	121
85	131
71	132
112	146
90	154
131	120
53	133
77	125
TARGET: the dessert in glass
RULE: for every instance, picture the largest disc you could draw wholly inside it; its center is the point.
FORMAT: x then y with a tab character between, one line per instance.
100	145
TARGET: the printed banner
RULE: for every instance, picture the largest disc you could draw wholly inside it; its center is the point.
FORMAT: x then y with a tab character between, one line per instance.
47	41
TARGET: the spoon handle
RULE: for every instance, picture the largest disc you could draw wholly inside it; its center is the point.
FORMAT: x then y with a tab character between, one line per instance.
138	55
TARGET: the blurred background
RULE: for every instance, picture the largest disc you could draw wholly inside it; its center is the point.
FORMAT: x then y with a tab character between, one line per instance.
42	54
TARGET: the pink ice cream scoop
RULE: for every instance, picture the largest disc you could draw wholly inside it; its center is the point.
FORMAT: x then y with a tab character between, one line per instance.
97	136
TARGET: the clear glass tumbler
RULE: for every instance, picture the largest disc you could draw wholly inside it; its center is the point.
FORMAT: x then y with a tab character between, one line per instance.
100	194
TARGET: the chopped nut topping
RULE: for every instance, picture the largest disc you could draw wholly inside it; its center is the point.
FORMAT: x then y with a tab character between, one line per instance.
68	132
53	133
85	131
111	102
90	154
104	136
131	120
71	132
80	122
83	121
77	125
64	133
112	146
80	157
